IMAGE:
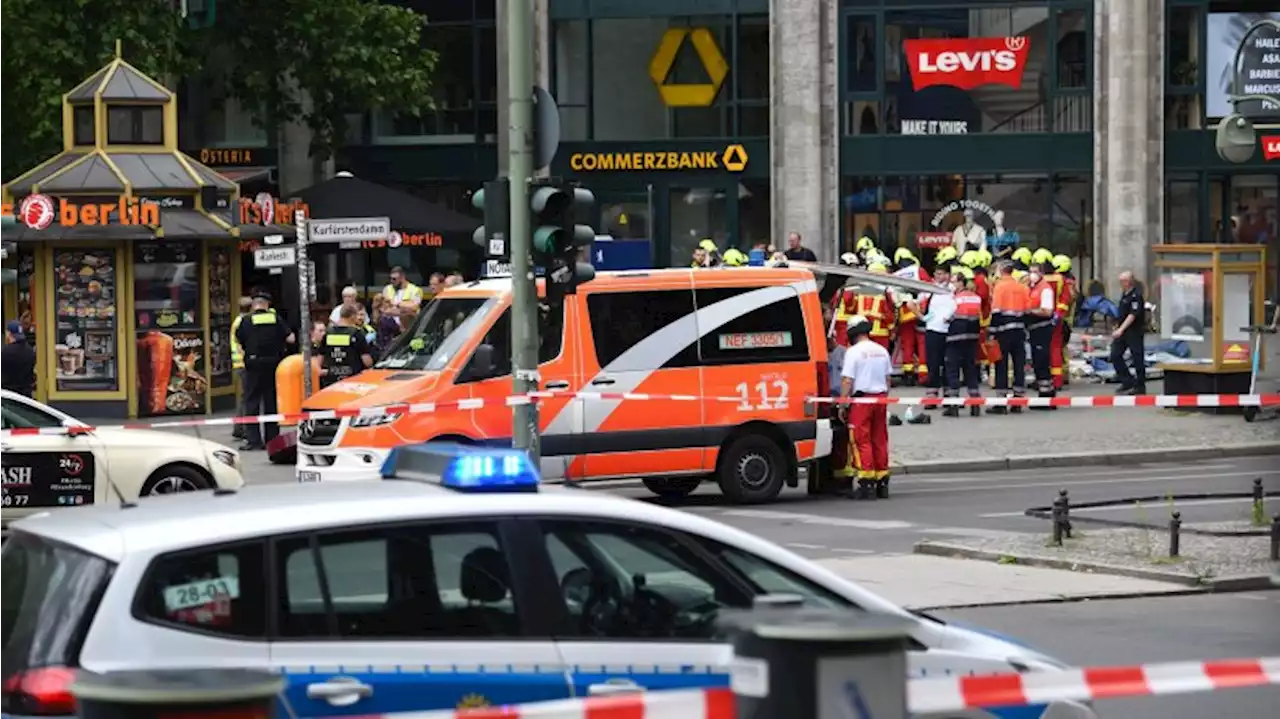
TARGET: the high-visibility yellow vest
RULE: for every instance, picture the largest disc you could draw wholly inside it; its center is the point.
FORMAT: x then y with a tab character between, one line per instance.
237	352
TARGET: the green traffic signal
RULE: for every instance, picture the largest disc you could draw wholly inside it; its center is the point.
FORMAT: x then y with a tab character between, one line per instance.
9	221
547	240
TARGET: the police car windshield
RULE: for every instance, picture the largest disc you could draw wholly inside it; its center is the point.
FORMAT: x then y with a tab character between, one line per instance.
442	328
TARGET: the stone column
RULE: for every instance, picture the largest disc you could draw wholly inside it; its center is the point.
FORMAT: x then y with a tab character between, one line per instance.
1128	137
802	121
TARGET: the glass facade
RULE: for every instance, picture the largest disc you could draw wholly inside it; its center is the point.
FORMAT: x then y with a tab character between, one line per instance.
601	78
948	106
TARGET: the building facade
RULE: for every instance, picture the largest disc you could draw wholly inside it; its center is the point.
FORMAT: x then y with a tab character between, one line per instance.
1085	126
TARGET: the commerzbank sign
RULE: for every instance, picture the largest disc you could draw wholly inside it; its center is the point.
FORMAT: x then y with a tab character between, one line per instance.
730	159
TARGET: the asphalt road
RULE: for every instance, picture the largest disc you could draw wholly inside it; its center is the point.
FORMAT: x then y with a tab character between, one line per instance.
1153	629
956	505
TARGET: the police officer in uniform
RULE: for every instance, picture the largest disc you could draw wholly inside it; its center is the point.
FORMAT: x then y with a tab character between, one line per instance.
264	338
1129	337
346	349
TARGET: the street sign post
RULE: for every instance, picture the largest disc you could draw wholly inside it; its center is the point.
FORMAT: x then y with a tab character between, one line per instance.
349	229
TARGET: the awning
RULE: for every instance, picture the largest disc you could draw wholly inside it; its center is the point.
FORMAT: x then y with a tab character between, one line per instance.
257	232
190	224
345	196
245	175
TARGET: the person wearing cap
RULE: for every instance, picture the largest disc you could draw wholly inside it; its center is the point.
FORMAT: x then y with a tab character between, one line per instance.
17	361
866	372
733	257
1021	261
237	362
962	341
265	339
864	248
712	252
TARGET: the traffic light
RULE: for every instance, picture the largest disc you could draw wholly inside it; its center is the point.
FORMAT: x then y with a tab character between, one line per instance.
494	199
8	221
557	237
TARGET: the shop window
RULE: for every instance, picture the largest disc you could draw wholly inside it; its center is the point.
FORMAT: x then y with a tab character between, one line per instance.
1182	212
230	122
754	214
935	95
697	214
464	84
572	78
861	74
625	105
750	70
861	117
1072	72
626	220
82	118
1183	60
85	356
135	125
1183	112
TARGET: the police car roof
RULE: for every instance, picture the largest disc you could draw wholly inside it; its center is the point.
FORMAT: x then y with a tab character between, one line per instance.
174	521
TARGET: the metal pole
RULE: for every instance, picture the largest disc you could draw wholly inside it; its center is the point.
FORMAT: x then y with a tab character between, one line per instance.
304	301
524	296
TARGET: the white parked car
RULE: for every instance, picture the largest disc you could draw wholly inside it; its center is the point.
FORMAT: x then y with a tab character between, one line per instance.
407	594
90	466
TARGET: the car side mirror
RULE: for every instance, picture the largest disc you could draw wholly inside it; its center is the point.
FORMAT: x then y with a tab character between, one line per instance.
483	365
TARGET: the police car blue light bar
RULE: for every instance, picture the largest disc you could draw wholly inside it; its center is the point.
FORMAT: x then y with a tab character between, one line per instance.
463	468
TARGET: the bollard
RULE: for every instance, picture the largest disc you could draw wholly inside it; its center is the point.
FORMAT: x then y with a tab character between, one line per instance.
1275	538
1057	523
818	664
1066	512
1175	534
177	694
1257	490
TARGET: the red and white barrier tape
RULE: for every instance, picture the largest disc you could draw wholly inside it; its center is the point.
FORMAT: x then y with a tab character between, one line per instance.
1159	400
924	696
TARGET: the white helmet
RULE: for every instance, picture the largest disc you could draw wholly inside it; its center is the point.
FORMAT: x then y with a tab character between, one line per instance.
849	259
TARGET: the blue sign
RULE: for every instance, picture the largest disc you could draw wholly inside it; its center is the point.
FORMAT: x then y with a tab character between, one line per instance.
622	254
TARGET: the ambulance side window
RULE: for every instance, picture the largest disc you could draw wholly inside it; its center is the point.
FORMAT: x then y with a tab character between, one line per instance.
550	332
623	320
499	337
772	333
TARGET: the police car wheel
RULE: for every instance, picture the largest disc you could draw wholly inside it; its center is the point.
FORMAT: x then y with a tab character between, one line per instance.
752	469
173	478
1250	414
672	487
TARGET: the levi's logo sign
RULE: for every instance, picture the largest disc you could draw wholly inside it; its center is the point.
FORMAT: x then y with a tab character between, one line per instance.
967	63
1271	147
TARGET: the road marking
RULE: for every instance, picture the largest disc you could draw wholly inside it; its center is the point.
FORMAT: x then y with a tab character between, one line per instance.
842	550
818	519
1254	597
956	479
1120	507
801	545
973	532
1028	485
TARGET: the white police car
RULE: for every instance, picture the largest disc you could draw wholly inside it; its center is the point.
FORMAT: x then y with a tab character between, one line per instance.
478	588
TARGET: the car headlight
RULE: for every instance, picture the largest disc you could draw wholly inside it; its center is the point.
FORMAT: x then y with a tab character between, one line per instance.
227	457
376	420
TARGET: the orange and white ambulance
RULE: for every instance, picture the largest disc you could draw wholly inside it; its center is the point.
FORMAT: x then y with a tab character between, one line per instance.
753	334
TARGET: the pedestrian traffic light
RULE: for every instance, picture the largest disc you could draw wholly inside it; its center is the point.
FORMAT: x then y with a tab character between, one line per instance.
494	200
557	237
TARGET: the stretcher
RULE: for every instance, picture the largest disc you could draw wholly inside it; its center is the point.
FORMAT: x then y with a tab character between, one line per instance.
1257	336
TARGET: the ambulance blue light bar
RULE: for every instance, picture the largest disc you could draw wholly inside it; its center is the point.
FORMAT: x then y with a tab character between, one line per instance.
463	468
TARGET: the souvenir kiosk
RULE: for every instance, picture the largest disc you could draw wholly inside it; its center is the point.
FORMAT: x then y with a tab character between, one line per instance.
127	265
1208	296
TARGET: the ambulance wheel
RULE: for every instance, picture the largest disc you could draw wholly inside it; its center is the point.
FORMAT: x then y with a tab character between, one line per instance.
752	469
672	487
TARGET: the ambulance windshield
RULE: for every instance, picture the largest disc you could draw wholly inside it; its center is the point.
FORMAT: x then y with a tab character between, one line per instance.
442	328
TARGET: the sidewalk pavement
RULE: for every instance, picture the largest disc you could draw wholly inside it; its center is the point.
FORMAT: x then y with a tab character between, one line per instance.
918	581
1073	436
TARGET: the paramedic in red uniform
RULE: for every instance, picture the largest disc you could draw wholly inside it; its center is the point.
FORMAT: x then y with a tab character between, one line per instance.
867	367
1039	319
878	309
910	331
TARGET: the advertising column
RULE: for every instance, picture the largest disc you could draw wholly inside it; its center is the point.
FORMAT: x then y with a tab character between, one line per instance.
170	342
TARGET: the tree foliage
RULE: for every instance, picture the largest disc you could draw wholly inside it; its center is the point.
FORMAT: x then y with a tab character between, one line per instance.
346	56
50	46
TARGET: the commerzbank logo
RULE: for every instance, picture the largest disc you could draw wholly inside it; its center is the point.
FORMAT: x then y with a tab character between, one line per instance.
700	94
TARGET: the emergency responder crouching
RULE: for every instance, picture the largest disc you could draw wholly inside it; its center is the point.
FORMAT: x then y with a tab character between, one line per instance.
866	373
346	348
264	338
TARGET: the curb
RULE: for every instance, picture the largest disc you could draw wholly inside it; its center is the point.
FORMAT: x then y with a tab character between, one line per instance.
1242	583
1091	459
